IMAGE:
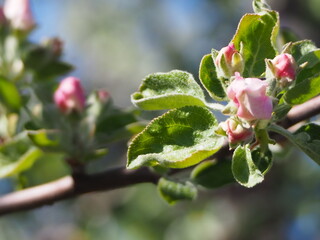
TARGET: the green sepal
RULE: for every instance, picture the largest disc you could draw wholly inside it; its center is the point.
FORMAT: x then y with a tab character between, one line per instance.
180	138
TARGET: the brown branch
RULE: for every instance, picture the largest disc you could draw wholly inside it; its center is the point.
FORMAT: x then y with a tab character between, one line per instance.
72	186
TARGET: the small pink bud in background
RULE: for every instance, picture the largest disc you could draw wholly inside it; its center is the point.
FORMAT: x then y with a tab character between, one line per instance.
236	131
55	45
228	61
69	96
3	19
283	67
18	13
249	94
103	95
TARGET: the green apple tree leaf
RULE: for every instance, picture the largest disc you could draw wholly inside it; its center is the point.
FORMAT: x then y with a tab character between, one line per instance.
180	138
168	90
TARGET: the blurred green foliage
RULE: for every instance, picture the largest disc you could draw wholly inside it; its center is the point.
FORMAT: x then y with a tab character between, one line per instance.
115	43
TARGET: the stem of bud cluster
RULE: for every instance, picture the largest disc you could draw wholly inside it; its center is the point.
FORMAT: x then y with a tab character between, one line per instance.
77	145
262	137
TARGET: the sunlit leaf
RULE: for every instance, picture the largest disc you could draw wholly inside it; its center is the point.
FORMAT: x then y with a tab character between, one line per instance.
178	139
168	90
303	91
243	168
9	95
209	79
306	138
17	155
46	140
257	34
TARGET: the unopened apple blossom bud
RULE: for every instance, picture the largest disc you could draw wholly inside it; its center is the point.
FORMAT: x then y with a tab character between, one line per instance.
3	19
18	13
283	67
69	97
249	95
103	95
236	131
228	61
55	45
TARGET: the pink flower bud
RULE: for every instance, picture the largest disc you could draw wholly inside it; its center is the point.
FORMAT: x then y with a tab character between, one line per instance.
55	45
69	96
249	94
283	67
19	14
3	19
103	95
236	131
228	61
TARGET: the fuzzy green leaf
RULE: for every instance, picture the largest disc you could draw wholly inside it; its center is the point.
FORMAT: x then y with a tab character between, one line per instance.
260	6
243	168
213	174
54	69
9	95
263	161
312	67
307	138
303	91
302	48
172	191
17	155
46	140
257	34
209	79
178	139
280	111
168	90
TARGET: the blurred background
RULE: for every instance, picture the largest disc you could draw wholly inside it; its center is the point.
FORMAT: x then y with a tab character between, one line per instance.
114	44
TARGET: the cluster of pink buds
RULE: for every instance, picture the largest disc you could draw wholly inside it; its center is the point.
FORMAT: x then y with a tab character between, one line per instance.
250	103
228	61
18	14
69	97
